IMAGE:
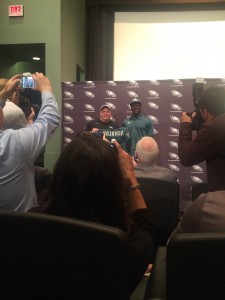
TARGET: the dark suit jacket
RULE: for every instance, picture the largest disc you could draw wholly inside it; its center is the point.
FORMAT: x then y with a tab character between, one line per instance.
209	146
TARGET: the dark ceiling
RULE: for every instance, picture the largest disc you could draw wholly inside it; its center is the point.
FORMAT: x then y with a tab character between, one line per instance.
23	52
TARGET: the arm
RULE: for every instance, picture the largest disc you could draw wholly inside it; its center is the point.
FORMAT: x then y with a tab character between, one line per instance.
30	118
141	245
149	131
35	136
123	124
192	218
137	200
10	87
202	147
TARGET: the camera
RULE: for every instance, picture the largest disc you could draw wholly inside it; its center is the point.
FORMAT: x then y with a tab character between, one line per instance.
27	81
113	146
197	90
98	134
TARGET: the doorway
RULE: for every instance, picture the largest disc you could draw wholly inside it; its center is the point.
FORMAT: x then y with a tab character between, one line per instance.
18	58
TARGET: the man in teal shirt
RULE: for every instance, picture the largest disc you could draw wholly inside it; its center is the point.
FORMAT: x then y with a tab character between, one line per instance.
138	125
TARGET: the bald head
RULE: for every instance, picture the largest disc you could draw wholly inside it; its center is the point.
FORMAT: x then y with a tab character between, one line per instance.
147	150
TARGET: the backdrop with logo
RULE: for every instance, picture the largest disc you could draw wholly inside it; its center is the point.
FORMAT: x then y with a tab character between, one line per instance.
162	100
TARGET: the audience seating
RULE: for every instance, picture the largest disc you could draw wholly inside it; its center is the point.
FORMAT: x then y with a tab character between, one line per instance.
197	189
50	257
191	267
162	199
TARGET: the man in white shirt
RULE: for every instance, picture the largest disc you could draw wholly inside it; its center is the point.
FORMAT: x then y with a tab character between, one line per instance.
20	148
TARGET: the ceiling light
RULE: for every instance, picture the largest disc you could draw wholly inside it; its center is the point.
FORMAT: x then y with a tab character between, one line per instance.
36	58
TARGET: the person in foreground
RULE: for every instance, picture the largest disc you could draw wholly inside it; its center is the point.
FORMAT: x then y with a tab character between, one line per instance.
205	214
147	152
209	143
95	182
19	148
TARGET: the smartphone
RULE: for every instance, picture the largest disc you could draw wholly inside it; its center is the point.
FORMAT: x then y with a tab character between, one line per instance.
27	82
98	134
113	146
136	158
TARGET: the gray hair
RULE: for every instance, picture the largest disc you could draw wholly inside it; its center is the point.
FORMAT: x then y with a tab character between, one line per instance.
147	150
14	117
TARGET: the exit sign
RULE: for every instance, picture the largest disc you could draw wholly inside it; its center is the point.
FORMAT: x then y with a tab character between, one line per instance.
15	10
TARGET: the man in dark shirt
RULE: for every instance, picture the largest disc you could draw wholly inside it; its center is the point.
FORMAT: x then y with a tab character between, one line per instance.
104	121
209	143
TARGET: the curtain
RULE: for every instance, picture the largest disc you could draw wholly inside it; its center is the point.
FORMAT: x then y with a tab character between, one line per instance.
99	43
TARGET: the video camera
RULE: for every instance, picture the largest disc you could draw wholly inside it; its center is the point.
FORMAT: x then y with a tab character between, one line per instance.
197	90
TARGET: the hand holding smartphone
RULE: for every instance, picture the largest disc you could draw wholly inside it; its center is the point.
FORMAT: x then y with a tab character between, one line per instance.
27	81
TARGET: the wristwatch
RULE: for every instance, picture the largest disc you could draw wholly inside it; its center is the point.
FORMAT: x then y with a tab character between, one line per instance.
2	103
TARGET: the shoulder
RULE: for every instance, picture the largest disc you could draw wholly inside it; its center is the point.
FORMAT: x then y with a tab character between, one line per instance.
167	174
171	174
127	119
205	214
126	122
145	118
93	121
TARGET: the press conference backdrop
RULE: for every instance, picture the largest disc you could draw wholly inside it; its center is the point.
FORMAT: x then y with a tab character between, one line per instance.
162	101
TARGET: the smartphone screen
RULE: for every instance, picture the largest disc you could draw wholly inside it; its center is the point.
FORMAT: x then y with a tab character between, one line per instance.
27	82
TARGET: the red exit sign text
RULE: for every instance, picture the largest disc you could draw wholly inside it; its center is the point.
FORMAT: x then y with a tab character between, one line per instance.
15	10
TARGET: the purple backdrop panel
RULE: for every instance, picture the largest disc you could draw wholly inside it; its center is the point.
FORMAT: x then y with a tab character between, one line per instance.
162	100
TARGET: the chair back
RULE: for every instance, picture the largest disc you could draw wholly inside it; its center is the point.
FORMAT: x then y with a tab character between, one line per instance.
162	199
51	257
196	266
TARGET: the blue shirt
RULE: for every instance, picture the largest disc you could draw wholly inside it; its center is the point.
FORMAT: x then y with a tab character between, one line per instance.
18	151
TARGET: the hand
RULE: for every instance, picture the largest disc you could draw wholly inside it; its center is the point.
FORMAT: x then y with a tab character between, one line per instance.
30	118
104	138
135	196
94	130
126	163
135	164
185	118
10	87
42	83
